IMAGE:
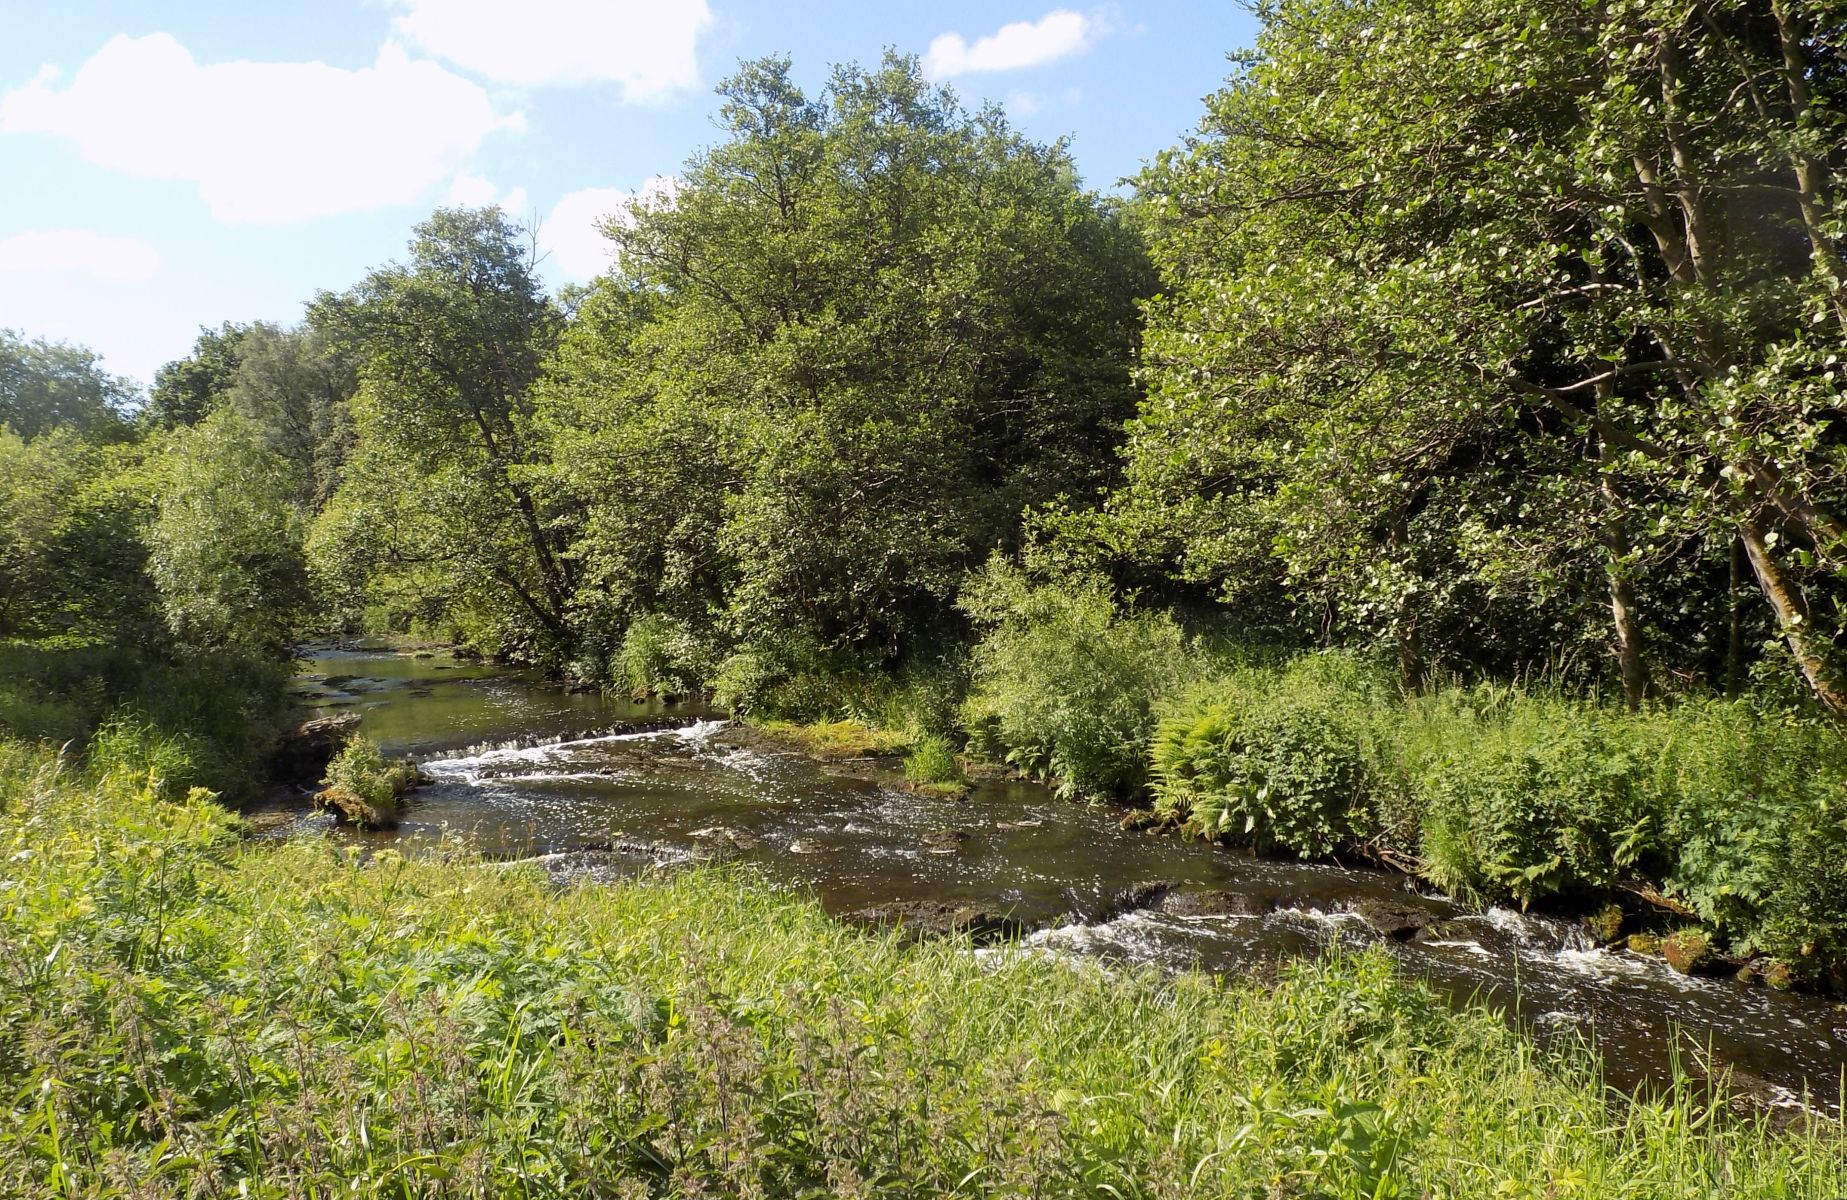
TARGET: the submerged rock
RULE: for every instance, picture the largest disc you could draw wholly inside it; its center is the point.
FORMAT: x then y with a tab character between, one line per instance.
726	837
1398	920
920	919
944	841
1215	903
1137	897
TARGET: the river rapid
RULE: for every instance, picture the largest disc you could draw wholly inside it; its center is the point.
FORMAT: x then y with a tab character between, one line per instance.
524	769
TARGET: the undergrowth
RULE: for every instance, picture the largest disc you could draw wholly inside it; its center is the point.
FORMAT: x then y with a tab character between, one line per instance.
184	1014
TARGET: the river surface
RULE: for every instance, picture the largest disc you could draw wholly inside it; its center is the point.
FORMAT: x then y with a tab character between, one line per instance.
524	769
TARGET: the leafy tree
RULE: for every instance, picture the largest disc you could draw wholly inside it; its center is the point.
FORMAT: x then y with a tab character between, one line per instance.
49	385
189	389
72	564
449	347
864	335
1455	284
226	543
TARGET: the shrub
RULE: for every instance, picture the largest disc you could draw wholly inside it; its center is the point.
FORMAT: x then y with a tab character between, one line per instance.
169	763
1275	768
1548	801
661	656
364	787
1064	686
1759	824
933	761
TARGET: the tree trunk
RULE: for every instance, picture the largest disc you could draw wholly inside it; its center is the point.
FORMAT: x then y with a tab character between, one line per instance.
1734	622
1410	650
1628	635
1786	600
1616	566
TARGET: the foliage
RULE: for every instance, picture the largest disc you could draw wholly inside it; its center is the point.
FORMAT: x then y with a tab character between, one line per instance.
1279	764
840	359
1481	322
1551	799
434	510
1065	684
226	545
49	386
933	761
359	768
661	656
186	1015
1757	823
73	557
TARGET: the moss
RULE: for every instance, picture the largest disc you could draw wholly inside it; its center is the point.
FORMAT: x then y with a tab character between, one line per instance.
1687	951
1606	924
1643	943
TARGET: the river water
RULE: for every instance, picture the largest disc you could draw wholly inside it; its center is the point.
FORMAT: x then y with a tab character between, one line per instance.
525	769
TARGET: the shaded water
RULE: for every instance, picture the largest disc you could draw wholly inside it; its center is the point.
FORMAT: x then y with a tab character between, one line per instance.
521	768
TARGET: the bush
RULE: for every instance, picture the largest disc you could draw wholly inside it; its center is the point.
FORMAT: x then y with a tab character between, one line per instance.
661	656
1550	800
170	764
1064	685
1759	825
933	762
1282	766
366	789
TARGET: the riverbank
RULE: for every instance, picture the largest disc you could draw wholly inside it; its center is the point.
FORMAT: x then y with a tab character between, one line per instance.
187	1011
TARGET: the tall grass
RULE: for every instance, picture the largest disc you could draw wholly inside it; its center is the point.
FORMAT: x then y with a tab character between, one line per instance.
182	1015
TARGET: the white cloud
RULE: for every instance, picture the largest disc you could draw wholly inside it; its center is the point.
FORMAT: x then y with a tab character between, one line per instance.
1058	34
472	191
265	143
1024	104
572	236
647	47
78	252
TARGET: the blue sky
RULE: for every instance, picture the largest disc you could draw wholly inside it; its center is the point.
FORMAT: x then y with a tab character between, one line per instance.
176	164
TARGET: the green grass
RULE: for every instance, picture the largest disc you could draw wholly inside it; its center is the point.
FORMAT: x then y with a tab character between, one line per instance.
842	739
183	1014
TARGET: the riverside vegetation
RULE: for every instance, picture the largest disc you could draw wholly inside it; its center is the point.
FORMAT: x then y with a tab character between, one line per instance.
186	1013
1435	460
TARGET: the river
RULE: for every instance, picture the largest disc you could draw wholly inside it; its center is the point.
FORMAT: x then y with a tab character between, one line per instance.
522	769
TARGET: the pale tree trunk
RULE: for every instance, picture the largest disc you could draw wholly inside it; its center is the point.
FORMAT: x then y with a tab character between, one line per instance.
1622	616
1806	644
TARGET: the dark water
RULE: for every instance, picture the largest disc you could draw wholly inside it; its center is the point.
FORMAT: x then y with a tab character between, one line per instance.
526	769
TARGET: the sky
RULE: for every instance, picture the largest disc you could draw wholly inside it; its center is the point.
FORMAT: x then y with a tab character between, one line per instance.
172	164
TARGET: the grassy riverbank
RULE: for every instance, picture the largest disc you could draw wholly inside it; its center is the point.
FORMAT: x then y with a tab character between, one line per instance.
182	1013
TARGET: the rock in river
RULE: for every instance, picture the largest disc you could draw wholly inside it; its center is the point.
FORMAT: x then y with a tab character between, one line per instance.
920	919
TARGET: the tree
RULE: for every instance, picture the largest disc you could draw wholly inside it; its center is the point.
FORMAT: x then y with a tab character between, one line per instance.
1449	280
48	385
189	389
866	333
226	542
449	346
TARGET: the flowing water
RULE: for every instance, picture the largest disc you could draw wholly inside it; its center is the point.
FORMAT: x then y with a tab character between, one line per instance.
523	769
